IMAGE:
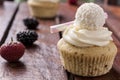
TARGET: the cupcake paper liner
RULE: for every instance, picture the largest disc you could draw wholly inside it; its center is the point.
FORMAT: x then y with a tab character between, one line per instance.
84	64
87	65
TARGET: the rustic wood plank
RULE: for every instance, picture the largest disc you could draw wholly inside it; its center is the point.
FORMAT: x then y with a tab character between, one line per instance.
113	19
114	24
115	10
7	13
41	61
67	12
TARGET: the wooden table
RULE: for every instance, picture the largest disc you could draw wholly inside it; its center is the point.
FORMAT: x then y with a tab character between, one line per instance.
7	14
41	61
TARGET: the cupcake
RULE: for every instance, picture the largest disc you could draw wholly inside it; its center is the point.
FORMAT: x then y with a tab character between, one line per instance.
43	8
87	48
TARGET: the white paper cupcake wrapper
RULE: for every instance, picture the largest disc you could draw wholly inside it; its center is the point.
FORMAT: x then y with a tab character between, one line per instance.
87	65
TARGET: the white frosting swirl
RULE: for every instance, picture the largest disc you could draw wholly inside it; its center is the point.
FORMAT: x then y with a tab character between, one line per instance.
88	29
85	38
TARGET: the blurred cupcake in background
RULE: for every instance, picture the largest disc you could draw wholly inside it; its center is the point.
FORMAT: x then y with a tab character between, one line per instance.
43	8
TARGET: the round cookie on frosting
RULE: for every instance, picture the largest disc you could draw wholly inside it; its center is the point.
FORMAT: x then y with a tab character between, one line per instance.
87	48
43	8
90	16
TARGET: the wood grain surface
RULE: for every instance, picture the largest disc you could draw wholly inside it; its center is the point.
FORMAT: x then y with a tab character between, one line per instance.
67	12
7	12
114	25
40	61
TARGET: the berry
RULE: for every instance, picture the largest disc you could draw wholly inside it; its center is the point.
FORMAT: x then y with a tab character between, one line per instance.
27	37
74	2
12	52
30	23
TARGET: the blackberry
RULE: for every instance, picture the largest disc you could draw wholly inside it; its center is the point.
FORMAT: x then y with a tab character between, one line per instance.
31	23
27	37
